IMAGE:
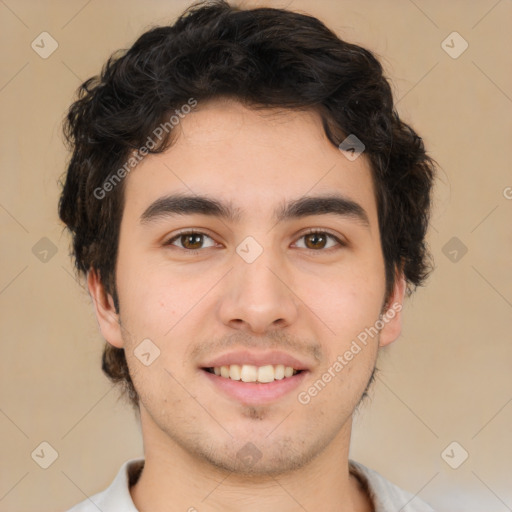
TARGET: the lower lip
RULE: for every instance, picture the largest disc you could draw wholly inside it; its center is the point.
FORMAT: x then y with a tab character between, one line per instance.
256	393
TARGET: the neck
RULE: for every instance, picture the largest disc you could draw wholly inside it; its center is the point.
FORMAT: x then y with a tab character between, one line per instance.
174	479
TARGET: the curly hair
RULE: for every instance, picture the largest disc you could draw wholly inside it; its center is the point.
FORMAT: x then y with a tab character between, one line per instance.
264	58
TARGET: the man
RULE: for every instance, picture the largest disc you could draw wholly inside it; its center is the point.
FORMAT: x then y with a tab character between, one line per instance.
250	212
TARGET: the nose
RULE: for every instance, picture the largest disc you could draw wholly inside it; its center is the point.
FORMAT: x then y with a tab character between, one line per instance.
257	296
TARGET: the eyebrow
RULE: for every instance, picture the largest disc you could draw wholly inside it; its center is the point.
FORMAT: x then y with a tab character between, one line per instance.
178	204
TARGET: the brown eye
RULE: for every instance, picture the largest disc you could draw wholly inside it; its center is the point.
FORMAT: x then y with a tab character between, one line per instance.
190	240
315	240
318	240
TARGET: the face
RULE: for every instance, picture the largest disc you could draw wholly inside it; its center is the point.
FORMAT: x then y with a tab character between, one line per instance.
252	290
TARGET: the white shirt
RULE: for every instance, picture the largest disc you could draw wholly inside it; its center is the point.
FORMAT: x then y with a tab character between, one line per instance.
386	496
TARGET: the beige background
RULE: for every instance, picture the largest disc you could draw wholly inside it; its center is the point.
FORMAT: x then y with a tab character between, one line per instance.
448	378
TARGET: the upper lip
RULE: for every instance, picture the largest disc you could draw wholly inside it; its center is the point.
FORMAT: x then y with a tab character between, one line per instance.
242	357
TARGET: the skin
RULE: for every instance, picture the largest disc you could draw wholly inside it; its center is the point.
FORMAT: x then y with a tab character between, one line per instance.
308	298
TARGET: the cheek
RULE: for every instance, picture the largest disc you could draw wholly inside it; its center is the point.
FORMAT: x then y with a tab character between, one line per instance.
347	302
351	309
165	307
152	298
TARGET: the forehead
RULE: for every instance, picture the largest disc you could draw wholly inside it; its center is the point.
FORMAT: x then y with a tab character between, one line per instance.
253	159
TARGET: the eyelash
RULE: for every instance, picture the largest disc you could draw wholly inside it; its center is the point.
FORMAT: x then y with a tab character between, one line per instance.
312	231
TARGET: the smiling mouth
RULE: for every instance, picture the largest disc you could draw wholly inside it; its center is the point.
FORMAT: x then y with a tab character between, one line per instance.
250	373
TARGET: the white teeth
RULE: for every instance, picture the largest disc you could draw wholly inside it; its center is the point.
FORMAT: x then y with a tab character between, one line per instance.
251	373
235	372
279	371
266	373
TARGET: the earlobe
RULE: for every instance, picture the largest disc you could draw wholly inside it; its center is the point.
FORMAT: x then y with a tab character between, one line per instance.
106	314
392	317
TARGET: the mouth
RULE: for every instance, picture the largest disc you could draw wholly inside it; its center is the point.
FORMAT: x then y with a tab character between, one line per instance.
250	373
254	385
254	378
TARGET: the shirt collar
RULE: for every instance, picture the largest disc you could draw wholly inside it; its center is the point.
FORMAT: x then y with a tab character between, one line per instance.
384	495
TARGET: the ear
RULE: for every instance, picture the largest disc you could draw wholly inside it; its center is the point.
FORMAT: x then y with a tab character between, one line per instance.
392	316
108	318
